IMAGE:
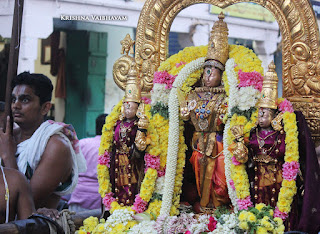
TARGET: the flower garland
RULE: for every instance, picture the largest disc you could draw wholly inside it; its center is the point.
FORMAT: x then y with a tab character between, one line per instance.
245	85
172	153
167	73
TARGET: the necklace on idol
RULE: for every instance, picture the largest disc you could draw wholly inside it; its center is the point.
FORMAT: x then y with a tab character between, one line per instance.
262	140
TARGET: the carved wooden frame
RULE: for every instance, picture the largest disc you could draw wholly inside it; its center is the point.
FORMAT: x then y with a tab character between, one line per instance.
300	47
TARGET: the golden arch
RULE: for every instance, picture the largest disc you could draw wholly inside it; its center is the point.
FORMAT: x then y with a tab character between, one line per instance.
300	47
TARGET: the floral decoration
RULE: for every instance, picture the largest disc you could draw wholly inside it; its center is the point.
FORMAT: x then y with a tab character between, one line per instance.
235	171
259	219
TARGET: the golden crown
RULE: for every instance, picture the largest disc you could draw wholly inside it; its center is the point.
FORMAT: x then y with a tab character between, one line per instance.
218	48
133	90
269	93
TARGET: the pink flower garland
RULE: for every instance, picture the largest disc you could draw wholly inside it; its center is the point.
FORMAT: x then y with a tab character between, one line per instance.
244	204
151	161
279	214
163	77
235	161
162	172
107	200
290	170
104	159
139	205
146	100
247	79
285	105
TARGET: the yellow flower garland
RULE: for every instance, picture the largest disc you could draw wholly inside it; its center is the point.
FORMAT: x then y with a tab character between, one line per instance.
238	172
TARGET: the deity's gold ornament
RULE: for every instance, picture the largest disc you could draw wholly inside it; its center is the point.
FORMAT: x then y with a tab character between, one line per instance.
269	93
143	123
133	91
218	48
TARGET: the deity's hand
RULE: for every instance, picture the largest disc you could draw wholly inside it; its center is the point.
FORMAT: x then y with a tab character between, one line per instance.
141	141
143	122
238	148
241	152
184	113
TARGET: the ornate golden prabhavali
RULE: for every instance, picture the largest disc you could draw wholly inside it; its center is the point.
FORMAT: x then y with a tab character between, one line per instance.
300	48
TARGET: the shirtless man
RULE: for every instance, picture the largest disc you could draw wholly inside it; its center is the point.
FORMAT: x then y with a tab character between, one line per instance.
20	196
45	152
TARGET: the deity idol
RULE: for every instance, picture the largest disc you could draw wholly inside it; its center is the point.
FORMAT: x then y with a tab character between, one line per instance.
206	106
129	143
267	145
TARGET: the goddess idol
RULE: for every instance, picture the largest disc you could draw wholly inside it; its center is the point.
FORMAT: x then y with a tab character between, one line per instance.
206	106
129	143
267	145
272	156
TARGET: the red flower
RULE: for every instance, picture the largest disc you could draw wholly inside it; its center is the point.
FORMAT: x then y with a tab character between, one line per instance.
187	232
212	224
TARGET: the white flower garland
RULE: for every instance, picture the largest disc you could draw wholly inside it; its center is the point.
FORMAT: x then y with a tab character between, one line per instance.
231	222
159	185
172	153
233	82
159	93
122	216
247	97
144	227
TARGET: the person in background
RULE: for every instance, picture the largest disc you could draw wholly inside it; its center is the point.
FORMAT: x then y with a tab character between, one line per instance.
46	152
86	195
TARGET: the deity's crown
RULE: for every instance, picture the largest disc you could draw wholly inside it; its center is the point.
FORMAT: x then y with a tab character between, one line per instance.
133	90
218	48
269	93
